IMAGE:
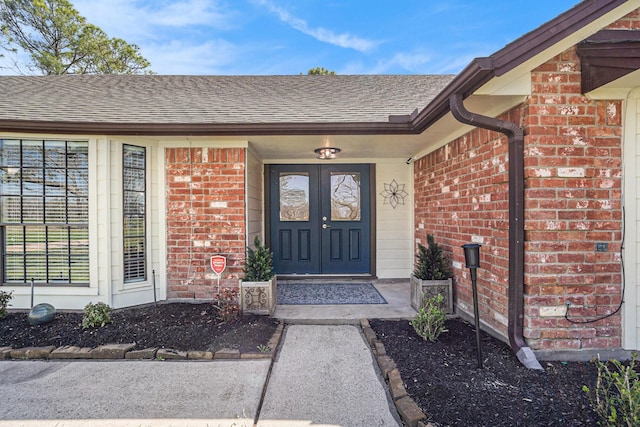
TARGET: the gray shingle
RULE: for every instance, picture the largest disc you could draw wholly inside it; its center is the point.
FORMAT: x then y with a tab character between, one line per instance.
215	99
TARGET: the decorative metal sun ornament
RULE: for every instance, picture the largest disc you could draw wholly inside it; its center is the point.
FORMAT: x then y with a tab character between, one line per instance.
394	194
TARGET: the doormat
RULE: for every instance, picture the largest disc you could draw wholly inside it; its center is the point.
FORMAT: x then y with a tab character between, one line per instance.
328	293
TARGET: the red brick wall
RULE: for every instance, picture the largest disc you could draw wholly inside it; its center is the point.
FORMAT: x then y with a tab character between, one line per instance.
573	169
573	181
205	216
461	197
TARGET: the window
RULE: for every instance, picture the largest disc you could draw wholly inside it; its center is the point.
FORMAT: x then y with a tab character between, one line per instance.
44	211
294	196
134	215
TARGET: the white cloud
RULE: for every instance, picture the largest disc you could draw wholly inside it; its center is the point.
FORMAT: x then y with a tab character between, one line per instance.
176	36
140	19
344	40
410	61
177	57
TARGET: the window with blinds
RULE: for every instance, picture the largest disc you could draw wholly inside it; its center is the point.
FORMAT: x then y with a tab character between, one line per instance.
134	214
44	211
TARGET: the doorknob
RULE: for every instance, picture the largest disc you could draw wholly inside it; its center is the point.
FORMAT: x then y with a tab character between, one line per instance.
326	226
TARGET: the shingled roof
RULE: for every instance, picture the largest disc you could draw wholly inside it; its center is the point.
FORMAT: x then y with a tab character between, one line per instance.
213	100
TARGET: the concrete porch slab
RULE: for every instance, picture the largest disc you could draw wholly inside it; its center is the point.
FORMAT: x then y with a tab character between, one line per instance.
396	292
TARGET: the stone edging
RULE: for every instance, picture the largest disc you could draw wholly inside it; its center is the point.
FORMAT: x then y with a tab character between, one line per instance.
409	411
125	351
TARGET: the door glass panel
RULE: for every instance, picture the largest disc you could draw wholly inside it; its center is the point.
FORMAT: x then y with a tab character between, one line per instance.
345	196
294	196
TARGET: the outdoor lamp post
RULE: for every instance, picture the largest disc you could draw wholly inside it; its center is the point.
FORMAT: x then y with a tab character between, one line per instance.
472	259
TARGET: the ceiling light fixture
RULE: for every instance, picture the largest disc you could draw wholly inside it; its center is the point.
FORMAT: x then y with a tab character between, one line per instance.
326	153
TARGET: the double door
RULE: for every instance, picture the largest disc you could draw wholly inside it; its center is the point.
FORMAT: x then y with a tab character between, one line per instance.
320	218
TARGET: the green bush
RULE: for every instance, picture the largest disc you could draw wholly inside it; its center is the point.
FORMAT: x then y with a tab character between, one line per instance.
616	396
431	263
259	263
5	297
429	322
96	315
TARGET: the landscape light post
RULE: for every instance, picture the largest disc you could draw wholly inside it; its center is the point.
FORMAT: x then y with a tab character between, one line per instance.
472	259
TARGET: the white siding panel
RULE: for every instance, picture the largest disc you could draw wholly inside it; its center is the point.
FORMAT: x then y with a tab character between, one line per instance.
254	193
394	256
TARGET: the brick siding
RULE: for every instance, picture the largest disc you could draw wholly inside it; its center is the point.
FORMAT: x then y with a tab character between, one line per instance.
205	216
461	197
573	199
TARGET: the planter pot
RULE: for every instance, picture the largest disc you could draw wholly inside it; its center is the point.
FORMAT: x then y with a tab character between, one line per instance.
423	289
258	297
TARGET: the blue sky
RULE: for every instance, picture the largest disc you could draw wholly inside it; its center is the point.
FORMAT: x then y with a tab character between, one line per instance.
240	37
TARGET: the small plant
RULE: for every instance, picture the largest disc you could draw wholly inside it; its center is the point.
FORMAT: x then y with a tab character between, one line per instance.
259	263
5	297
429	322
263	348
431	263
96	315
228	304
616	396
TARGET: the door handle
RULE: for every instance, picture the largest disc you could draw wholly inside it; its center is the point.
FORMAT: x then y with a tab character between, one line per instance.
326	226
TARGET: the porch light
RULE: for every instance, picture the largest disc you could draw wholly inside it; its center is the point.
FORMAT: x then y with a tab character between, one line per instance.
326	153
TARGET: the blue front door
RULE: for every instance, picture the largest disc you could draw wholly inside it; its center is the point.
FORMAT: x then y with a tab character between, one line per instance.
320	218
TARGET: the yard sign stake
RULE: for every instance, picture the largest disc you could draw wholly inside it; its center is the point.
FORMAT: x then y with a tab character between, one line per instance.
218	264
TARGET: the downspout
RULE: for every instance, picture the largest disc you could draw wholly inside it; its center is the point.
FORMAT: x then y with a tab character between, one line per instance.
515	134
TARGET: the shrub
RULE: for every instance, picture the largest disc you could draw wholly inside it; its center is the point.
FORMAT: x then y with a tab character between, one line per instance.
228	304
5	297
429	322
96	315
616	396
431	263
259	263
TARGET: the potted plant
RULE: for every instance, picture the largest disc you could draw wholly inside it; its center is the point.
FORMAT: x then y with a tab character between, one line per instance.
258	288
432	276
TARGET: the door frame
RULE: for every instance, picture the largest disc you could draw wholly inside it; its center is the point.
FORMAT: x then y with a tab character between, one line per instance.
372	219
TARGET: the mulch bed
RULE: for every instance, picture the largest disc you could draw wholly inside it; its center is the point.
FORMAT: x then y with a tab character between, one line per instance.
443	379
178	326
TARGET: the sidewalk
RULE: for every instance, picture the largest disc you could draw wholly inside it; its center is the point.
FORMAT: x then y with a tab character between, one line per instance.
323	375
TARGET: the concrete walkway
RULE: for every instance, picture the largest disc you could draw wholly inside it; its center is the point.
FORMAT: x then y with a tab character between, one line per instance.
123	393
323	375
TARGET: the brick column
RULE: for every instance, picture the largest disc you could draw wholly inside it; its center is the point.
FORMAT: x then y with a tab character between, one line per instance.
205	216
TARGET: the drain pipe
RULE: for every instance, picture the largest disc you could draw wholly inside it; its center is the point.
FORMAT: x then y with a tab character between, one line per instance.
516	222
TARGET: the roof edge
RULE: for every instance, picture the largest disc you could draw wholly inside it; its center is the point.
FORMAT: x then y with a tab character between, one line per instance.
481	70
204	129
550	33
474	75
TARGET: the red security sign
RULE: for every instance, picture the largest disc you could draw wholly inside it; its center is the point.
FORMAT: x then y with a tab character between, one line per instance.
218	264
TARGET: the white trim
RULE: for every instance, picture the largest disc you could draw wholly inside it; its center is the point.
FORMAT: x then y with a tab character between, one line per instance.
159	263
99	210
631	176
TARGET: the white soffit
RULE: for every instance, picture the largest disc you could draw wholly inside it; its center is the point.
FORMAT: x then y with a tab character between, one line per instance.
617	89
